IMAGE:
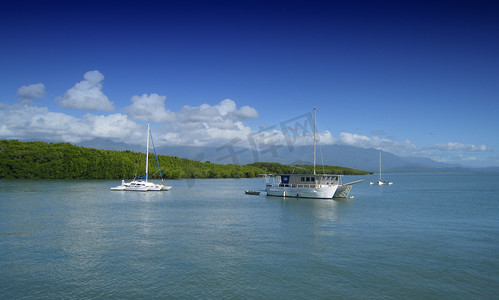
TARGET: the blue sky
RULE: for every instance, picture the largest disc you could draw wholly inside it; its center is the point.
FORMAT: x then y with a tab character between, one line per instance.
415	78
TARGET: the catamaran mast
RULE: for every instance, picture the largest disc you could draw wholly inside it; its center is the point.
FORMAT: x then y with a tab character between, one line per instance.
315	117
147	150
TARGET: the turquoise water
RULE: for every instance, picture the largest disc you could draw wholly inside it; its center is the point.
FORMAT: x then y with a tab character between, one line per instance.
428	236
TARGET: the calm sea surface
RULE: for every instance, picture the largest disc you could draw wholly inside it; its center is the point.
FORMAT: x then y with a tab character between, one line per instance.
428	236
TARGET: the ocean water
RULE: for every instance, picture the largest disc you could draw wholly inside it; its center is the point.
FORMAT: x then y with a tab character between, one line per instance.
428	236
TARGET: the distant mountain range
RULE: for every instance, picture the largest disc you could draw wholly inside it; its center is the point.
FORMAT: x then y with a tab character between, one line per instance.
335	155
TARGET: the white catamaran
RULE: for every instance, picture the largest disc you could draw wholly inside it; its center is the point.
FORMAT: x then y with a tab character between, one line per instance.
379	181
318	186
142	184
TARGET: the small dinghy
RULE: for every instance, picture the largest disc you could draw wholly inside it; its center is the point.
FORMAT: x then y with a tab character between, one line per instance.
248	192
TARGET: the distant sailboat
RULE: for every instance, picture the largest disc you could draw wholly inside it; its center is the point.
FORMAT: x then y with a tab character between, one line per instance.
381	182
142	184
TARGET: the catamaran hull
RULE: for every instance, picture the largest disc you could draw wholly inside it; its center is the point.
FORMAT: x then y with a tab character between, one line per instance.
313	193
137	189
118	188
141	187
149	188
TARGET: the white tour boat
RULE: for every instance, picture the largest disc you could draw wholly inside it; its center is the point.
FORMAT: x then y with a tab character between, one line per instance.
319	186
308	186
379	181
142	184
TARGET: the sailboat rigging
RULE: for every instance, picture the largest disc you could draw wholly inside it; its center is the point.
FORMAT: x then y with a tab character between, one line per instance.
379	181
142	184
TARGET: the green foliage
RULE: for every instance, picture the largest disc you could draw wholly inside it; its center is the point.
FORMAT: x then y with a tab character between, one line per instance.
276	168
39	160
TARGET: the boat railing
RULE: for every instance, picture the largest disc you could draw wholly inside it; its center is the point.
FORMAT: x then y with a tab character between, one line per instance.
308	185
298	185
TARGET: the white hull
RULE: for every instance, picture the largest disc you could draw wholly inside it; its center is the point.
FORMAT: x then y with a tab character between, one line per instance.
141	186
118	188
315	193
381	182
121	187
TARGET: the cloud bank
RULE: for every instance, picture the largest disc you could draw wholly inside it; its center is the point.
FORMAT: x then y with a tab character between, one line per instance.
215	125
28	122
452	146
204	125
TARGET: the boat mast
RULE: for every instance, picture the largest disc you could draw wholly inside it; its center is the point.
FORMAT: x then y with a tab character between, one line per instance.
147	150
315	118
379	165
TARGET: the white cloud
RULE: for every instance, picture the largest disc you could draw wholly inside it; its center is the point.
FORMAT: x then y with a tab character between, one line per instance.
452	146
397	147
28	122
223	114
32	122
87	94
115	126
226	107
150	108
204	125
359	140
32	91
439	152
201	135
246	112
210	124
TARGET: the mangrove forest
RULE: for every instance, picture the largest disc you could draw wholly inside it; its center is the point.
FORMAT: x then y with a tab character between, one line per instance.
40	160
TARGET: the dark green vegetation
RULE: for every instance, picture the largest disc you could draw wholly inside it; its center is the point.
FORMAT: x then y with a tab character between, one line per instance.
39	160
277	168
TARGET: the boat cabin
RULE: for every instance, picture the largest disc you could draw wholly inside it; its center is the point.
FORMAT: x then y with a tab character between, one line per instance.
302	180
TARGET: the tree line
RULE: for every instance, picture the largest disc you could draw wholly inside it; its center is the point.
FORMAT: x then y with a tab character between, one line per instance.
277	168
40	160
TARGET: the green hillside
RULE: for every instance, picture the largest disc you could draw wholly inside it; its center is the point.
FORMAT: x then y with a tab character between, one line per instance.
276	168
39	160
